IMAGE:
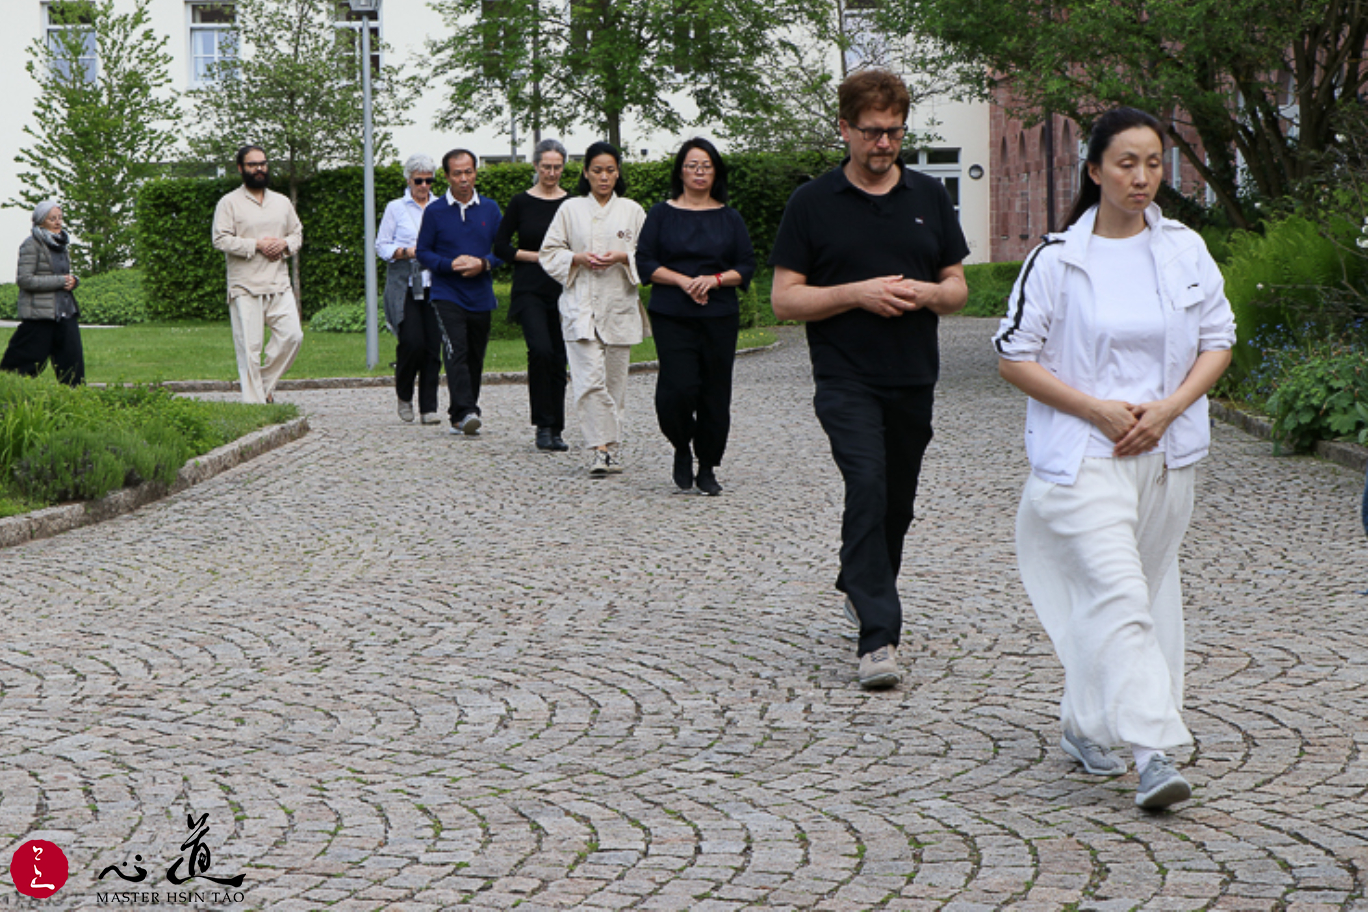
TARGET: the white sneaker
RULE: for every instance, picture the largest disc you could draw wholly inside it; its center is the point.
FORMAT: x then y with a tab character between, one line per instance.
599	464
430	418
405	411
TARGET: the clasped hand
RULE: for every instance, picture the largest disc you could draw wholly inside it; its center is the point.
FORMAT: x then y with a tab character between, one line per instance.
467	265
698	287
598	261
1135	429
271	248
889	296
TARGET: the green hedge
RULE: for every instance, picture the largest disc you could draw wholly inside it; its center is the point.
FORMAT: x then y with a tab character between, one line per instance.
115	298
184	275
989	286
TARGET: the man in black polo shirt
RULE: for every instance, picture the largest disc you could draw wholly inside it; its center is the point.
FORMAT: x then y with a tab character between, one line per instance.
868	255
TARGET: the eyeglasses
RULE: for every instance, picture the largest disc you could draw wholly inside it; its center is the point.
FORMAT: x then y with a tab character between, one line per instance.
423	180
697	167
256	166
872	134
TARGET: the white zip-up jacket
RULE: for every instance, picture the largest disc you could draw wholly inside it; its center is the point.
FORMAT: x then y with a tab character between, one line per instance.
1051	319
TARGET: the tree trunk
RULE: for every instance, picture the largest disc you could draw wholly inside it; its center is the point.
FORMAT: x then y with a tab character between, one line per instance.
294	260
614	129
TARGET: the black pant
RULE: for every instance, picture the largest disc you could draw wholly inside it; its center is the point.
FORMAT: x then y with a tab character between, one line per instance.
418	354
465	337
694	388
35	341
541	326
878	435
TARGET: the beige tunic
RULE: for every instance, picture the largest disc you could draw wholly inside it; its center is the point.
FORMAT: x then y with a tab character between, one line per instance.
602	301
239	221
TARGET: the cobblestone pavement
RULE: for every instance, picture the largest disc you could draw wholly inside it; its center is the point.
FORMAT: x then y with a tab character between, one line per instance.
399	670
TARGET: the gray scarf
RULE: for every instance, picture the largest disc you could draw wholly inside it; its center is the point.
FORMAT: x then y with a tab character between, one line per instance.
53	241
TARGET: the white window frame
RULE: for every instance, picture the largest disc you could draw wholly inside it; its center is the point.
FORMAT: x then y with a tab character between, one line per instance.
941	171
342	18
192	27
50	28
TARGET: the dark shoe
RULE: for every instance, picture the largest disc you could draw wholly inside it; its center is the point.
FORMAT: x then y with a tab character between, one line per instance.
560	446
706	482
544	439
683	469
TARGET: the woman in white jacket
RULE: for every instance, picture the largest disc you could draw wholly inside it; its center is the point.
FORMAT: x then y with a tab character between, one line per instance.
590	249
1116	329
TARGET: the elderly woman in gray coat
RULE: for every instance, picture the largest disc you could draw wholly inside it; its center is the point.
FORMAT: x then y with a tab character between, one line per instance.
48	328
408	303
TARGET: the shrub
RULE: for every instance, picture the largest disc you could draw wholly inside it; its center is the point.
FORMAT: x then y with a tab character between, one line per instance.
1322	396
989	286
344	318
114	298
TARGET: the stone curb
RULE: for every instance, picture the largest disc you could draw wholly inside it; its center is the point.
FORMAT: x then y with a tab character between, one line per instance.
1349	455
52	521
489	379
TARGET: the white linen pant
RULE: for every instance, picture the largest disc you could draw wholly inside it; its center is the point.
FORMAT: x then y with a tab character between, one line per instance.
1099	559
598	376
249	313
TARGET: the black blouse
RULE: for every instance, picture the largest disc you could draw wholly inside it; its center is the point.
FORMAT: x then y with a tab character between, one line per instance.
694	242
528	217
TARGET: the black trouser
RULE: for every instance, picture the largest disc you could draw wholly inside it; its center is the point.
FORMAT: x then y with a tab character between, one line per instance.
35	341
465	337
418	354
546	378
878	435
694	387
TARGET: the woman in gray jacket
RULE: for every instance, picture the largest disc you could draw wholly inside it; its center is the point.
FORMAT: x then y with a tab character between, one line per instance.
48	328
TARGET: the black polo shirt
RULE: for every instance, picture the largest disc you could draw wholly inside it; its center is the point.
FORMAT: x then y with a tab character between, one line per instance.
834	233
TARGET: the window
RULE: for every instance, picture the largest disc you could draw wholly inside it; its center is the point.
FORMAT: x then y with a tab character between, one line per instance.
344	14
943	165
212	40
865	45
68	23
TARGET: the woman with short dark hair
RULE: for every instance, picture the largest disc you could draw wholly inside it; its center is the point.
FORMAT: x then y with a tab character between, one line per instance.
533	303
49	328
695	252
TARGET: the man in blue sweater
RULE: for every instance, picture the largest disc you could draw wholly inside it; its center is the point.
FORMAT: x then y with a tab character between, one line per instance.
456	244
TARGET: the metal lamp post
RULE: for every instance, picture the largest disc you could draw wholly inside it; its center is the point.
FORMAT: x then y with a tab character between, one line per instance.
368	9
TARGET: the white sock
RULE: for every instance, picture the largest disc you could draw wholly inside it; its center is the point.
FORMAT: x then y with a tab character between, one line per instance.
1143	755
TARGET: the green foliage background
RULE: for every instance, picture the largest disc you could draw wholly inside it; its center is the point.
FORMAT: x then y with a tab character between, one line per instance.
114	298
184	276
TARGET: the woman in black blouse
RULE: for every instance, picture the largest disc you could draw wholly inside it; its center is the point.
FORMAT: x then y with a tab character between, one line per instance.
695	252
534	302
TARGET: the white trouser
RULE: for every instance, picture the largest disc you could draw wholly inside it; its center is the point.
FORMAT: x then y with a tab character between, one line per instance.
1099	559
598	375
249	313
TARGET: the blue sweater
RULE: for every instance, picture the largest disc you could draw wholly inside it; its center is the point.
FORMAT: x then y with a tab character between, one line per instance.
444	236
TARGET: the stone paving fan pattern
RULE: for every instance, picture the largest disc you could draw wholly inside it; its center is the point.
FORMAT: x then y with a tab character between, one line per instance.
404	671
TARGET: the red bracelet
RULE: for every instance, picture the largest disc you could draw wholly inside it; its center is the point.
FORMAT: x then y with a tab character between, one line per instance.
719	279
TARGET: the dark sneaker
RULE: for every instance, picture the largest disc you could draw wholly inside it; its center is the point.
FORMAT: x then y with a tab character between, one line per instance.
1095	760
879	668
683	469
557	444
706	482
1161	785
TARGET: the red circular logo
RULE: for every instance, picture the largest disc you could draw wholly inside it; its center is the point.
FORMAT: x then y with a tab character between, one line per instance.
38	868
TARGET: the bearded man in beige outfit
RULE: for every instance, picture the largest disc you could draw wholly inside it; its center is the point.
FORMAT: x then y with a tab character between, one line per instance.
257	229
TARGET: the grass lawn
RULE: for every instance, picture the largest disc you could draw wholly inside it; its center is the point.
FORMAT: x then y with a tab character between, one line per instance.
152	352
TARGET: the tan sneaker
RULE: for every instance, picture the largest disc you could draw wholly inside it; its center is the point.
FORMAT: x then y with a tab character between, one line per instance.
879	668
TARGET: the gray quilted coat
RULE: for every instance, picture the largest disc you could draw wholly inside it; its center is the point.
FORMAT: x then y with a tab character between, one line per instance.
42	273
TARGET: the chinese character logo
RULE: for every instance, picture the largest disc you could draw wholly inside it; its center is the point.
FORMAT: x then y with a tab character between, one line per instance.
38	868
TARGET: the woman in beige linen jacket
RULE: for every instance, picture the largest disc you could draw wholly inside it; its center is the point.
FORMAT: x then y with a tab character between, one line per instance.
590	249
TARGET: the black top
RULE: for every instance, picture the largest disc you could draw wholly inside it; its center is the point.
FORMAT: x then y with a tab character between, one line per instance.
694	242
833	233
528	217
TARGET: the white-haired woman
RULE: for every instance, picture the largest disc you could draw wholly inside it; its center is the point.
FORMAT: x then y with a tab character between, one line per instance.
408	305
48	328
533	303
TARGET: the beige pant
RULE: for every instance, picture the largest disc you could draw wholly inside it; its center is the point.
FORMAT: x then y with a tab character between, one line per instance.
598	375
249	314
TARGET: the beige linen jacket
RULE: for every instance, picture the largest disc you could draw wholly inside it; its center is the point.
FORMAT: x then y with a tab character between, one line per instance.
603	301
239	220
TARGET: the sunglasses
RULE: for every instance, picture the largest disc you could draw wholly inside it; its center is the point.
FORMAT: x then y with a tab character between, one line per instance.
423	180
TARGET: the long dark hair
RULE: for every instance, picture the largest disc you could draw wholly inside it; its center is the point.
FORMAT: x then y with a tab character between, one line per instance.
719	187
1117	120
593	152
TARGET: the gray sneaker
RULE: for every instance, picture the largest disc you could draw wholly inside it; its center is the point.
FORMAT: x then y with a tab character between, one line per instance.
405	411
469	426
1095	760
430	418
599	464
848	608
879	668
1161	785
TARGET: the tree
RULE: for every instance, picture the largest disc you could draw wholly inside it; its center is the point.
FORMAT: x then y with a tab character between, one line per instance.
103	122
595	62
295	91
792	105
1257	80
